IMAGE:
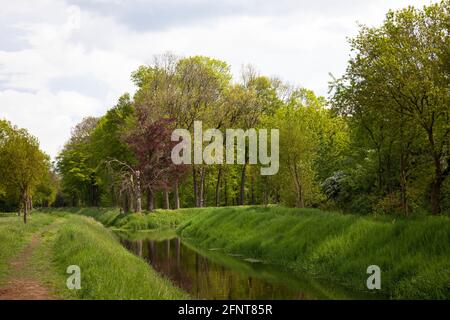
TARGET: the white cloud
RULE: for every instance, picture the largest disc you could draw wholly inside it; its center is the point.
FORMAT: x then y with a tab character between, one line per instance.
47	115
77	56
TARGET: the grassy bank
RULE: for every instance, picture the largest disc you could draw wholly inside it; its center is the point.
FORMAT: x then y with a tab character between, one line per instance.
108	271
414	254
112	218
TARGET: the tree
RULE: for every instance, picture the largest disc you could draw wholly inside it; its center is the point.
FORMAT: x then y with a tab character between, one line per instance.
106	142
151	143
22	163
300	122
47	189
184	90
258	99
202	81
128	179
399	78
75	164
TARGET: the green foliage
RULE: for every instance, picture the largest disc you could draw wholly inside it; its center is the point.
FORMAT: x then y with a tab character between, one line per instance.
23	166
395	92
308	138
106	138
382	147
46	190
74	163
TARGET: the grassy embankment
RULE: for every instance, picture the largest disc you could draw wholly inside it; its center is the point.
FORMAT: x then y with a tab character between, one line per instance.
413	254
112	218
108	271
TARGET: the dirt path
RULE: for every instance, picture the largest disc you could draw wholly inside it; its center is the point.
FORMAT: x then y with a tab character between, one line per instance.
20	286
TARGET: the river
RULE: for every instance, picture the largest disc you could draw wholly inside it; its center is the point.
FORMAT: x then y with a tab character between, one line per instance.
213	274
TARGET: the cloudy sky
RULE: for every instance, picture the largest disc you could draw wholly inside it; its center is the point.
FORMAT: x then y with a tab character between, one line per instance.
63	60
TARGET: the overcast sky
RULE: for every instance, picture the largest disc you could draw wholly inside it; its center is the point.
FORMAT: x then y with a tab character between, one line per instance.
63	60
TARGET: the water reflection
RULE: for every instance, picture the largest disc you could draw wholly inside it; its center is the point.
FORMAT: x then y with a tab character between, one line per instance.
215	275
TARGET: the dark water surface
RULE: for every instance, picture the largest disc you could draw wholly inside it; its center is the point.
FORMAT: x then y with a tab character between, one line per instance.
212	274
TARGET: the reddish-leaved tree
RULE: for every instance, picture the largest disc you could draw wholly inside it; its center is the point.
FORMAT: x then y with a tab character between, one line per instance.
150	140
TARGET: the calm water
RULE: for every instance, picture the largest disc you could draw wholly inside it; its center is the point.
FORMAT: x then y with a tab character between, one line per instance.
212	274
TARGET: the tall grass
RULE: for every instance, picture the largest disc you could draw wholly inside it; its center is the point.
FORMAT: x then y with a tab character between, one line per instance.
108	270
413	254
110	217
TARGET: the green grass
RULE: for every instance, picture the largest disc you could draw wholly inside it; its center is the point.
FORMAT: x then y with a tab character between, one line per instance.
159	219
108	270
413	254
42	266
14	236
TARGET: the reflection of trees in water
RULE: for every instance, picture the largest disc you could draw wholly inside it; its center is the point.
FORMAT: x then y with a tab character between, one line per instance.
177	241
139	248
203	278
168	250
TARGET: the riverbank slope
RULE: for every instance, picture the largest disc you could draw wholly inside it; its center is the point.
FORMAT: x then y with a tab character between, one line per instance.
413	254
37	254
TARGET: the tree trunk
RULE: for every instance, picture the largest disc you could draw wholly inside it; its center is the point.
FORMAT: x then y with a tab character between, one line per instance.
113	196
225	191
436	186
299	201
253	200
299	196
265	195
150	200
219	177
166	199
436	196
194	179
176	195
403	185
380	170
25	211
126	203
242	191
138	208
139	247
202	188
27	204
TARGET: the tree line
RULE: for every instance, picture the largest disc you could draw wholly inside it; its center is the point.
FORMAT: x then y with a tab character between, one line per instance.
123	158
379	144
